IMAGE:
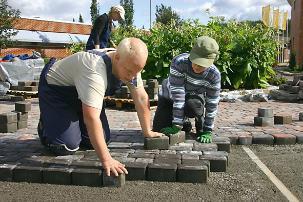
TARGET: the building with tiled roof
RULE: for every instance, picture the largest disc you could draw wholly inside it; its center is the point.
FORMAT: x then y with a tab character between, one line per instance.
50	38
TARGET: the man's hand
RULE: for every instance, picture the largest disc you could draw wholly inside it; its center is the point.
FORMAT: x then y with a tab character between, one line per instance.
153	134
204	137
113	166
174	129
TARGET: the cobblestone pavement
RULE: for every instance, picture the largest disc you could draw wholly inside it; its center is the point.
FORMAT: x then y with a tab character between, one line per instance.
234	120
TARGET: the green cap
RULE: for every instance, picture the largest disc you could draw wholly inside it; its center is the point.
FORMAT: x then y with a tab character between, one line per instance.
204	51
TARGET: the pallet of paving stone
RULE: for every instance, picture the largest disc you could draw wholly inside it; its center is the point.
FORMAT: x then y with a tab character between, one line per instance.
25	94
120	103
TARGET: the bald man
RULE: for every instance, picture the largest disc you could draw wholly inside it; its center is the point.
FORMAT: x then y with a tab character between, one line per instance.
71	93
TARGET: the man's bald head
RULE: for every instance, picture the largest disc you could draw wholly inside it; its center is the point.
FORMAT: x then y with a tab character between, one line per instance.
133	49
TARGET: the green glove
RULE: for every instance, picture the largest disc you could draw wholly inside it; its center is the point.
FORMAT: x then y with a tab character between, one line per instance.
204	137
170	130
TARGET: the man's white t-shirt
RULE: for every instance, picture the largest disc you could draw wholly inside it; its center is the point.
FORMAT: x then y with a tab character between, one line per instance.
87	72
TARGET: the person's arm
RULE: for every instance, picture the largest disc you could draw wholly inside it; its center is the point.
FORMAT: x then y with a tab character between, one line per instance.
95	132
141	101
212	98
177	81
99	26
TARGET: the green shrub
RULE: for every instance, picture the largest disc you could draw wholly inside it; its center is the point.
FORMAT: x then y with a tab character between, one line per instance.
247	51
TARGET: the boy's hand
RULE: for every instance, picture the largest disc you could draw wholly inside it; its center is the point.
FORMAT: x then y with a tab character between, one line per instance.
171	130
204	137
114	166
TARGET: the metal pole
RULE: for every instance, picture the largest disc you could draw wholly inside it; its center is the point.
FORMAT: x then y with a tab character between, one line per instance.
150	14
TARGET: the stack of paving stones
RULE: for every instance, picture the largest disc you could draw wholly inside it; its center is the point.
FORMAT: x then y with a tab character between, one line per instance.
12	121
152	88
123	93
291	91
266	118
26	86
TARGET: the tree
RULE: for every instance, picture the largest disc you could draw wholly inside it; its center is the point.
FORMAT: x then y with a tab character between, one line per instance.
128	6
165	15
80	18
7	17
94	10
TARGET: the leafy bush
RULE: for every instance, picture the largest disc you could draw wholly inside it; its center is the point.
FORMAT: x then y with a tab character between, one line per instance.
247	51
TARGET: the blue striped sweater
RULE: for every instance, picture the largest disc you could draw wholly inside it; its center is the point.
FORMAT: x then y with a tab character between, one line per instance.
183	80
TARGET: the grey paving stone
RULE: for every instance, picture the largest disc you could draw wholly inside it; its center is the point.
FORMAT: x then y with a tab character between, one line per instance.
21	124
180	148
263	139
168	152
167	161
113	181
223	145
22	106
152	151
27	174
283	119
190	152
6	172
128	151
57	175
166	156
142	155
86	164
299	138
245	140
263	121
8	127
87	177
284	139
301	116
9	117
182	136
192	174
69	157
190	156
21	116
17	98
136	170
173	139
205	147
162	172
156	143
217	163
144	160
265	112
57	162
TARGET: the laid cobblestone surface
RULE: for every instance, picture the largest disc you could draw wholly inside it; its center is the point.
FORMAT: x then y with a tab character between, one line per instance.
23	158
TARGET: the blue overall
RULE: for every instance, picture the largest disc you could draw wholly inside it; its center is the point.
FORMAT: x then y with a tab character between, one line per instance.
61	116
103	37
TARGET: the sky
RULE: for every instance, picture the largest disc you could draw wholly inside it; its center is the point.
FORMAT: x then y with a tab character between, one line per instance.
66	10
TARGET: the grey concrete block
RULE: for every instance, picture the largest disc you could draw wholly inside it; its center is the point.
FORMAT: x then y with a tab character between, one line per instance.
283	119
301	116
217	163
144	160
8	128
173	139
263	121
17	98
284	139
113	181
192	174
136	170
299	138
57	175
245	140
142	155
167	161
156	143
21	116
87	177
6	172
21	124
162	172
263	139
9	117
265	112
205	147
27	174
223	143
22	106
166	156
